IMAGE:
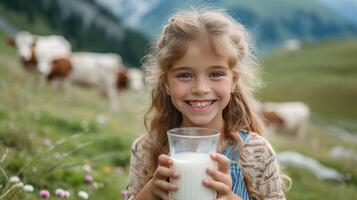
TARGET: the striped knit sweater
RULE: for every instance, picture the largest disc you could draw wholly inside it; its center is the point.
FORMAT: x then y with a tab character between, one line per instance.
261	166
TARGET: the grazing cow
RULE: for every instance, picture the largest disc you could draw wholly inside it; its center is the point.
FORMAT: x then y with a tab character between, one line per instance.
103	70
130	79
291	117
24	43
90	69
37	52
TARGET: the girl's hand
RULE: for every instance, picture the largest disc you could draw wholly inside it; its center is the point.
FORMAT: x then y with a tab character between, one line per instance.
222	181
160	186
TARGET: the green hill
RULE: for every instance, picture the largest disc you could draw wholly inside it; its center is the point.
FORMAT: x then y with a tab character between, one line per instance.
322	74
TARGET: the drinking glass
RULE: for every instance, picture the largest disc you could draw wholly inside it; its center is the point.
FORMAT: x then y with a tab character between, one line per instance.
190	149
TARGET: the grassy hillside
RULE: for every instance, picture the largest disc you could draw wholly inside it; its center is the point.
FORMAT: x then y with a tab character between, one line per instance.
324	75
51	137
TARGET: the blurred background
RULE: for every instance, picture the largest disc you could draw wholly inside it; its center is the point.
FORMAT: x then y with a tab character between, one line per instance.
70	138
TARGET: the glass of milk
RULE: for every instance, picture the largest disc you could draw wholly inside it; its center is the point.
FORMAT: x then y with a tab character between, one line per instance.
190	149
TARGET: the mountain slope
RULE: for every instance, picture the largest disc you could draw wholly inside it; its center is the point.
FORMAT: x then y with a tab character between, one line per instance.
87	25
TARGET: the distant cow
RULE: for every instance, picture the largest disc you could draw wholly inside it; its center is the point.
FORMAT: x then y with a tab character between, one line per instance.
290	117
37	52
102	70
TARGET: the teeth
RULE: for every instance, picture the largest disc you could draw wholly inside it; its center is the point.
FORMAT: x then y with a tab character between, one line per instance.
200	104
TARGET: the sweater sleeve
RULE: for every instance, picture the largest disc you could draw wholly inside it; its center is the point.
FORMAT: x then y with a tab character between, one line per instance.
139	167
271	182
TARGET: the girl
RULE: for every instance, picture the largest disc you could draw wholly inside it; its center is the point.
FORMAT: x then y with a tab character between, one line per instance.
202	74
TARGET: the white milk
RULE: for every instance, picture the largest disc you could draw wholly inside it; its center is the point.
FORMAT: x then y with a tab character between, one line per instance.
192	169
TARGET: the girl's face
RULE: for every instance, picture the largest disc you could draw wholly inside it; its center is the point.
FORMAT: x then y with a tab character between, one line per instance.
200	84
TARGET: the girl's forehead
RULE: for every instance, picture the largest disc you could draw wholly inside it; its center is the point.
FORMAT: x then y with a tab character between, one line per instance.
202	52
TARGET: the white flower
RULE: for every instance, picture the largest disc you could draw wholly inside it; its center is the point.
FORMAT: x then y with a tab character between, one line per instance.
28	188
87	168
59	192
83	194
14	179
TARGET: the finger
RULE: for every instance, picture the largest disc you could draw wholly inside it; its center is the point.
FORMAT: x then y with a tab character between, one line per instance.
165	186
163	172
223	162
219	187
217	175
162	194
165	160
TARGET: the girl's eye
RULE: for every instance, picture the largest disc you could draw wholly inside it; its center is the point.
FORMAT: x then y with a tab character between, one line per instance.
216	74
184	75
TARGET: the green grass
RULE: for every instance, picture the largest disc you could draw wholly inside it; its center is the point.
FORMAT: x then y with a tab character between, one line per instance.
323	75
29	115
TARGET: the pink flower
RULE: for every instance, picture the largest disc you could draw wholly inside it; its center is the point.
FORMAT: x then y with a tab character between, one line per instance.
44	194
124	193
47	142
88	178
66	194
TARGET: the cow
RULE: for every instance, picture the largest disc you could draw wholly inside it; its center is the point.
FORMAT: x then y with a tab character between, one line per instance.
291	117
37	52
90	69
105	71
131	78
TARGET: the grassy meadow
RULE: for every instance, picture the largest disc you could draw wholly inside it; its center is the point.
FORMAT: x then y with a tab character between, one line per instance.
46	138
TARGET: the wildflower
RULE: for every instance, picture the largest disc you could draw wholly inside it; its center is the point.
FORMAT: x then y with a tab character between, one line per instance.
96	185
66	194
45	194
47	142
102	119
14	179
28	188
87	168
83	194
88	178
59	192
106	169
124	193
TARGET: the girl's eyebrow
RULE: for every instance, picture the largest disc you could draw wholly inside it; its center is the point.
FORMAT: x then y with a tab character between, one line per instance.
181	68
218	67
190	68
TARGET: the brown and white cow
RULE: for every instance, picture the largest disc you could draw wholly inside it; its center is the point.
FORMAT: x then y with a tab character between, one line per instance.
102	70
37	52
291	117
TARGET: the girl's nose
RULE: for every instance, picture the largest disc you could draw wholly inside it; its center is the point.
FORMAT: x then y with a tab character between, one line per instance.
200	86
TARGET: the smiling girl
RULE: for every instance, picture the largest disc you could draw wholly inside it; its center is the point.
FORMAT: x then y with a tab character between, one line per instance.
202	74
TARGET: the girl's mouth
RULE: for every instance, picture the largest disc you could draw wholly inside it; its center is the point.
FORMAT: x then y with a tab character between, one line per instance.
200	106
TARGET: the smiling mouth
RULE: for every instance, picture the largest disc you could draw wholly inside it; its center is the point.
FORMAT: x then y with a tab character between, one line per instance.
200	105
